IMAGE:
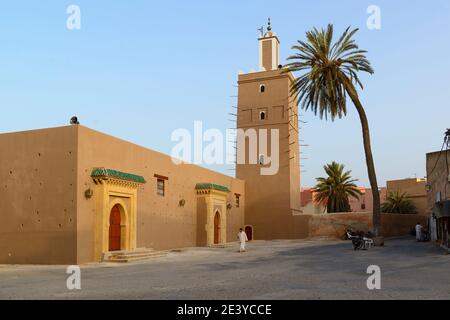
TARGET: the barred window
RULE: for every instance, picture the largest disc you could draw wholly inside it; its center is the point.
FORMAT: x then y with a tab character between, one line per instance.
160	187
238	196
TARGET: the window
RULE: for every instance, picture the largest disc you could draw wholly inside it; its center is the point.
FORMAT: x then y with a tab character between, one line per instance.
160	187
262	115
262	88
363	206
238	196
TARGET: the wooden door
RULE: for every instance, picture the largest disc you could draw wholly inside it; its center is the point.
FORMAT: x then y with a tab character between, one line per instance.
249	233
216	227
114	229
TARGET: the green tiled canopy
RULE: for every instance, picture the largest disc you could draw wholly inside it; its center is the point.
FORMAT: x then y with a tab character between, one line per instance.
211	186
110	173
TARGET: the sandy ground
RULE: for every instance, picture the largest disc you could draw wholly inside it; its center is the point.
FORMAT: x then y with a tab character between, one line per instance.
307	269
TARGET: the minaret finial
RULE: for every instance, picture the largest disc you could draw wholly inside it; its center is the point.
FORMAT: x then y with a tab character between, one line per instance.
269	28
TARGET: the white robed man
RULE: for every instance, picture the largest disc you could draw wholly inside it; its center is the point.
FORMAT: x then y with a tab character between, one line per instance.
419	230
242	236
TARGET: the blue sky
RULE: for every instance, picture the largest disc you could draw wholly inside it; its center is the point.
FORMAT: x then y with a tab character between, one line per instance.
140	69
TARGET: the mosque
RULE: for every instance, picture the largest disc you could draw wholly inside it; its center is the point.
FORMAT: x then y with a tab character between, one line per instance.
72	195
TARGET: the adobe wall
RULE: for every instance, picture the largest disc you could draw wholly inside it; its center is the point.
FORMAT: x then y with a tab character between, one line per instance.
161	222
38	197
336	224
364	203
401	224
438	167
437	178
415	188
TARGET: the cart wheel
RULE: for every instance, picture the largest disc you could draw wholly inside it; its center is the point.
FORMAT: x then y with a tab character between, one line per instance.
360	245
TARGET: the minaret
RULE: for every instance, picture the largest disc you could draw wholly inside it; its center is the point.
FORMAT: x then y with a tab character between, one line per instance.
268	50
264	103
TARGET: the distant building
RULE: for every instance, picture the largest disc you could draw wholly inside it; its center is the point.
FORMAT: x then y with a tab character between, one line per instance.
365	201
415	188
438	196
362	204
309	202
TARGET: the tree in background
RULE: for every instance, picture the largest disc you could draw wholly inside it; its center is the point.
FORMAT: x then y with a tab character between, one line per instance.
335	189
397	202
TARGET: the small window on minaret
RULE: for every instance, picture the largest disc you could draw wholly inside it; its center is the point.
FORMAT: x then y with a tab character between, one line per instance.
262	115
262	88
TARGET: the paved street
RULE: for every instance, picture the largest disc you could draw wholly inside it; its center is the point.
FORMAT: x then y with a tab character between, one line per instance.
309	269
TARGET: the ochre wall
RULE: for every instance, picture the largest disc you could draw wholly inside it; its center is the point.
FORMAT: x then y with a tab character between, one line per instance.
438	167
201	221
38	197
356	204
336	224
400	224
415	188
437	178
161	222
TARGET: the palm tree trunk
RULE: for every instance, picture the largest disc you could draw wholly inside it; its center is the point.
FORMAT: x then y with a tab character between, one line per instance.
369	158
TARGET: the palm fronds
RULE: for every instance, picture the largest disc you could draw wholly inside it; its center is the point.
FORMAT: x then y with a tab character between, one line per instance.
327	69
397	202
335	189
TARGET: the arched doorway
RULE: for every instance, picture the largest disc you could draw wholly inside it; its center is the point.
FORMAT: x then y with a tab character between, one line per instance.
249	232
216	227
115	229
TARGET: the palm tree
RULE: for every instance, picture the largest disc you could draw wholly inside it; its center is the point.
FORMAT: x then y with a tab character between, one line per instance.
397	202
330	74
334	190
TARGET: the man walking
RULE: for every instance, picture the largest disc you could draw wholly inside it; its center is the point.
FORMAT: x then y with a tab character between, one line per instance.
419	229
242	236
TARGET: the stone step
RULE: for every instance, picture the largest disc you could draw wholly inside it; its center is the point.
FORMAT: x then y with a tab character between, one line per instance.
136	255
131	259
221	245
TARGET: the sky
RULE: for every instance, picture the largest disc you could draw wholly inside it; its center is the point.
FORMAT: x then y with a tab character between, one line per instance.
139	70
